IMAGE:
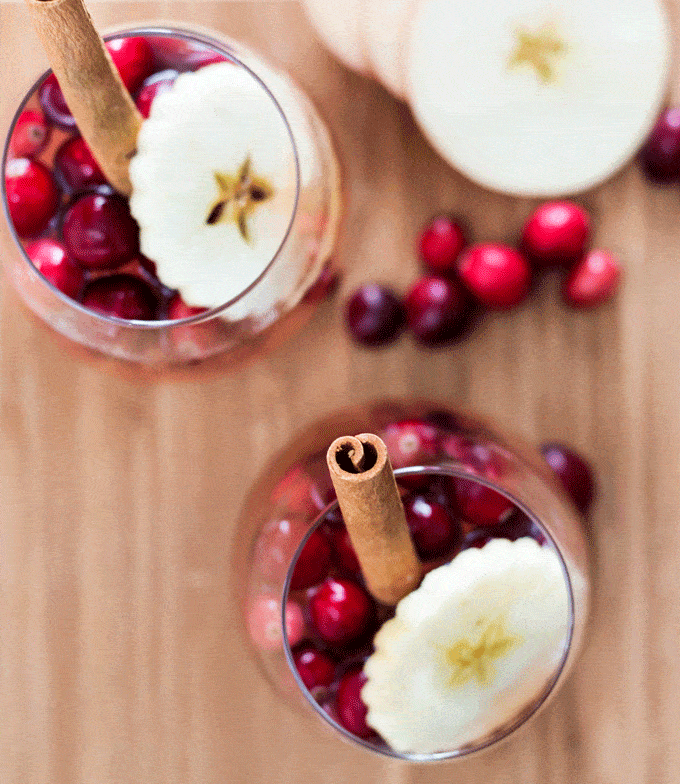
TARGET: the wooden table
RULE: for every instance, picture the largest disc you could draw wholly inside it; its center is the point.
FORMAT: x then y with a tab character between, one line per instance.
121	652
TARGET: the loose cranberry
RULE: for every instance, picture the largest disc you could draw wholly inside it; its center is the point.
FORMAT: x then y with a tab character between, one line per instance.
156	84
574	472
434	529
351	708
313	563
660	155
411	442
593	280
374	315
54	105
99	231
440	243
76	166
436	310
315	669
345	556
556	233
123	296
497	275
341	610
133	57
32	196
30	134
480	504
51	259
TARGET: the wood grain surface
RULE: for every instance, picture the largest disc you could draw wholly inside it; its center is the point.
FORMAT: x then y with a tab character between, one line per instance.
121	653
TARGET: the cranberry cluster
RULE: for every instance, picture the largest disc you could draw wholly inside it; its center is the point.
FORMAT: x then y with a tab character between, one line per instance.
79	233
462	279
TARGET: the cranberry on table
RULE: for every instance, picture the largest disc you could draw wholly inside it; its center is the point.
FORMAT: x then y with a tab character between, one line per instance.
411	442
481	505
100	232
51	259
133	57
496	275
32	195
76	165
351	709
556	233
436	310
30	135
313	563
123	296
440	243
316	669
152	87
54	105
660	155
593	280
374	315
434	529
341	610
574	472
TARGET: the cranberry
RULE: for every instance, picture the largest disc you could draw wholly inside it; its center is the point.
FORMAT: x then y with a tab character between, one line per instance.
435	531
133	58
660	155
208	57
99	231
53	104
411	442
123	296
341	610
313	563
32	196
76	166
497	275
480	504
156	84
440	243
30	134
374	315
478	537
574	472
593	280
351	708
51	259
345	556
556	233
436	310
178	308
315	669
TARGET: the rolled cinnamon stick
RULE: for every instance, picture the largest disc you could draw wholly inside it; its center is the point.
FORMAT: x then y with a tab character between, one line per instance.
104	111
374	515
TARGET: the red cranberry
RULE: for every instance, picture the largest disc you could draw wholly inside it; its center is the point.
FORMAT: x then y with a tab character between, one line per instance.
411	442
99	231
374	315
351	708
30	134
436	310
574	472
51	259
315	669
440	243
313	563
32	196
123	296
480	504
153	86
660	155
53	104
556	233
133	57
435	531
178	308
345	556
341	610
208	57
76	165
593	280
476	538
497	275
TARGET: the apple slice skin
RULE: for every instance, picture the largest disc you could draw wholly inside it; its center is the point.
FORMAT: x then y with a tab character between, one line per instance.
506	127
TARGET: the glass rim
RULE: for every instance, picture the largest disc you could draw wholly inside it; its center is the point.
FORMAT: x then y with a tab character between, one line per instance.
507	729
221	47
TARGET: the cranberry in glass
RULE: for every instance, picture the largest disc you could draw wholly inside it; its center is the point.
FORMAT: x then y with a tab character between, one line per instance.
436	310
75	165
434	529
340	610
100	232
593	280
178	309
313	563
123	296
53	104
345	556
496	275
374	315
556	233
440	243
660	154
133	57
574	472
152	87
411	442
32	196
350	707
30	134
480	504
316	669
50	258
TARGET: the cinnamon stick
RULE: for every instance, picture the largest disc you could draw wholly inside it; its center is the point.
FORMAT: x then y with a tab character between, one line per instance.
104	111
374	515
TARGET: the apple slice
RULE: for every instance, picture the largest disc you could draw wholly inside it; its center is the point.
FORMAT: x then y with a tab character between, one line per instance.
340	29
537	98
384	27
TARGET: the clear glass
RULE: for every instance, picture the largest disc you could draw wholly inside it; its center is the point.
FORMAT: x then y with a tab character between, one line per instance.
293	497
296	275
